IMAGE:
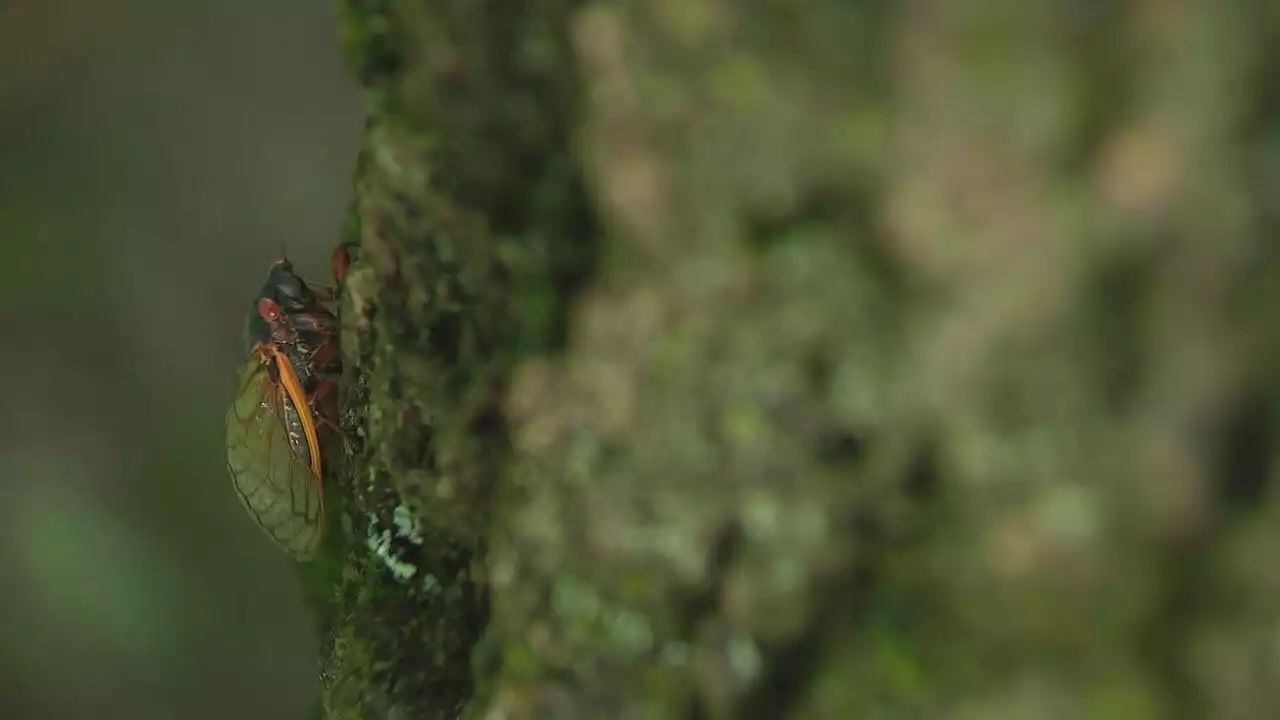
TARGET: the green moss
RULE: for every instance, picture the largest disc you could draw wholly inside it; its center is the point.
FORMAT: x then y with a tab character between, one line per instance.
374	46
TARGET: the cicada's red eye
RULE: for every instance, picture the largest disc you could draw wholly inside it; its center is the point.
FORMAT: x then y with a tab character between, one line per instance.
268	309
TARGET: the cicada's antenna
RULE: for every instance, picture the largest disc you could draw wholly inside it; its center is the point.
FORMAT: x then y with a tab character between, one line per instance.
283	260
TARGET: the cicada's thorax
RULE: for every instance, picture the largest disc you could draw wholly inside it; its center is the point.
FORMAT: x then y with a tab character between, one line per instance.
310	340
311	348
289	316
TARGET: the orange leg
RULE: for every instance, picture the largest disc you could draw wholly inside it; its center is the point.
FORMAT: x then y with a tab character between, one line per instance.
339	264
323	391
323	388
331	425
321	361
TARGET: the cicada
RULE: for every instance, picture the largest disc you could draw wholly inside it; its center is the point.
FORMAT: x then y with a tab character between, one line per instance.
285	410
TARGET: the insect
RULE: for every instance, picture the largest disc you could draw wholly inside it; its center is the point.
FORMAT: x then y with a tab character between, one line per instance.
285	408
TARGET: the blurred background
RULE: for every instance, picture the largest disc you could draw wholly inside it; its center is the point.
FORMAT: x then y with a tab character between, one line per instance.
154	158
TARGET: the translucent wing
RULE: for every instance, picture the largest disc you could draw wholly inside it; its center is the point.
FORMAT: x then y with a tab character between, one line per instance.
271	462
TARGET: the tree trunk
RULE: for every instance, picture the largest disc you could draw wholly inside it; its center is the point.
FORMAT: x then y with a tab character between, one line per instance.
810	360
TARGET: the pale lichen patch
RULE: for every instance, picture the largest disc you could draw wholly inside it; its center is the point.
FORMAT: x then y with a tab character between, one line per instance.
380	544
406	524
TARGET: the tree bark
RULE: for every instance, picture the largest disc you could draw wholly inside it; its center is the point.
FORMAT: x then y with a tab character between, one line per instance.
810	360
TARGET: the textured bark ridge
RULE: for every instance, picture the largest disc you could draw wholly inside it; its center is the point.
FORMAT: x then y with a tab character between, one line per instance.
901	360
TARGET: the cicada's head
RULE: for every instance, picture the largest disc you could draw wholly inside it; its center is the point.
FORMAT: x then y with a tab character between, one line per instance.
284	294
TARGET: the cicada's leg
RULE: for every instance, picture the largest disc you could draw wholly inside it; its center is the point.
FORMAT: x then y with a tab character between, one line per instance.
328	381
324	391
333	426
340	262
262	351
323	359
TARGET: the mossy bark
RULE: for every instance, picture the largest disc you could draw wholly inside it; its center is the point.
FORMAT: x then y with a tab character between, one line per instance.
830	359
